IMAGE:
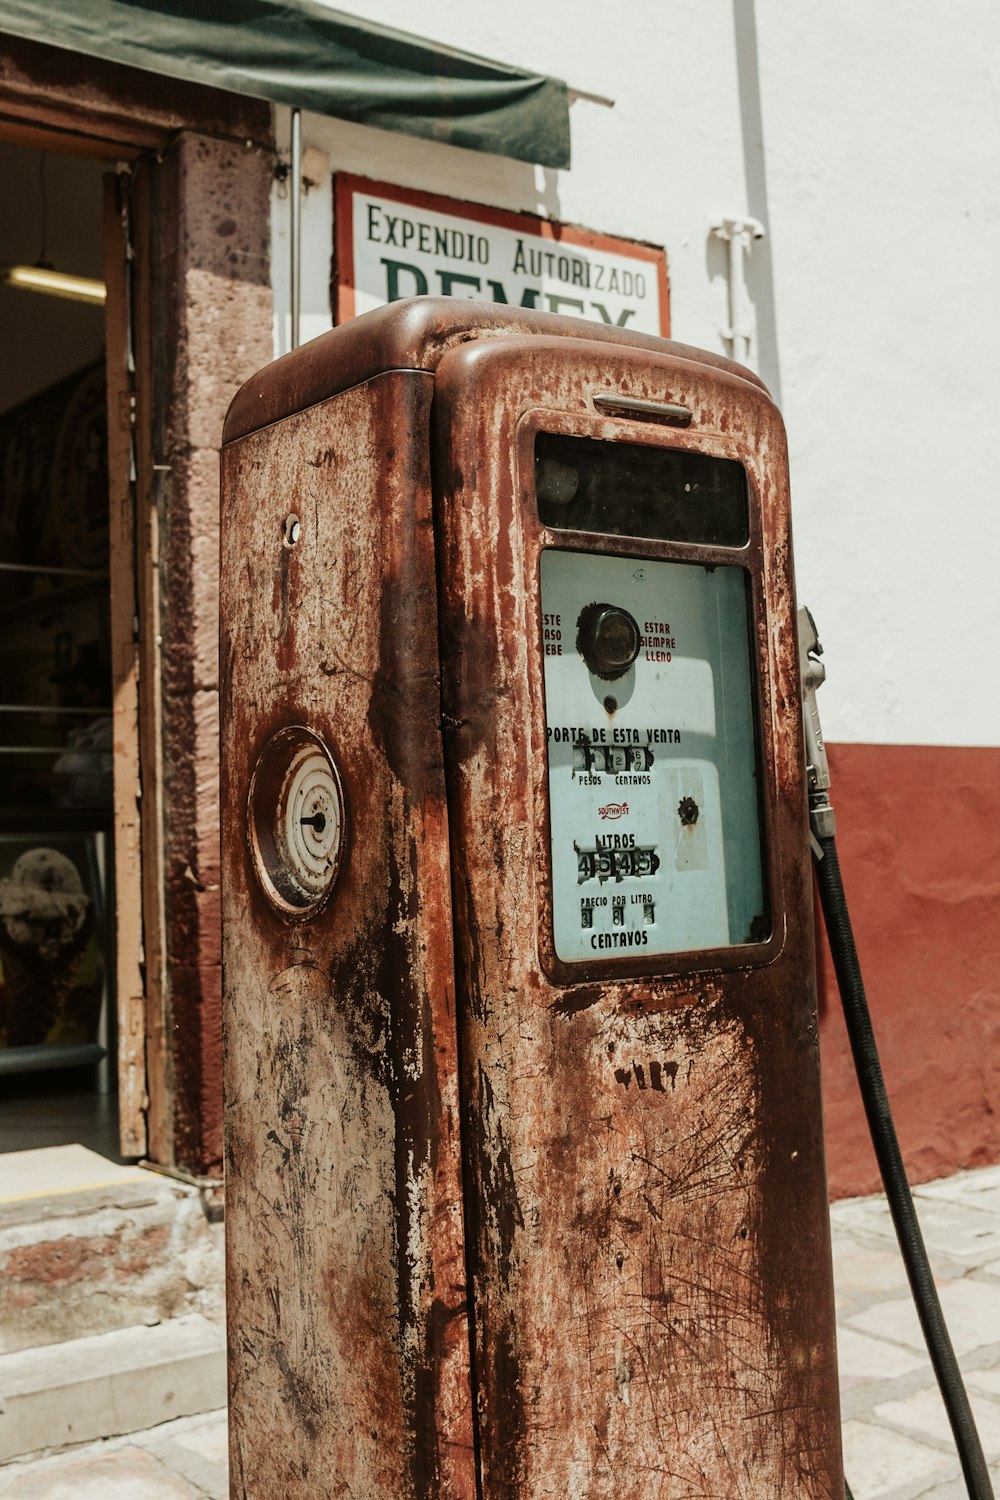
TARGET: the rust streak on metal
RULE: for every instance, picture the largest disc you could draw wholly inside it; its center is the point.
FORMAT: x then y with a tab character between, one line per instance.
623	1154
636	1152
342	1118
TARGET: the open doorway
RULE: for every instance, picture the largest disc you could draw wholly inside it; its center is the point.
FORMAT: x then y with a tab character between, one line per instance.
57	939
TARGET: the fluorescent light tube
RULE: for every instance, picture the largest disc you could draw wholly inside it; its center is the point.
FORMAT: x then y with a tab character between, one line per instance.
54	283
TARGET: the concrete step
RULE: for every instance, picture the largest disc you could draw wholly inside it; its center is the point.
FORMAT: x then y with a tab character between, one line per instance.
109	1384
88	1247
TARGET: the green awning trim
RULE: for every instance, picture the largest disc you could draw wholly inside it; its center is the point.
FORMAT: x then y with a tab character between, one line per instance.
302	53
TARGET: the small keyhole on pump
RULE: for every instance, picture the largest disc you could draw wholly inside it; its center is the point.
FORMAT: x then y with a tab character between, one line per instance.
317	821
687	811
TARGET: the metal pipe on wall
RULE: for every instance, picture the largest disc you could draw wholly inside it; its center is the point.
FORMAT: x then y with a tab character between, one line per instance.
740	234
295	238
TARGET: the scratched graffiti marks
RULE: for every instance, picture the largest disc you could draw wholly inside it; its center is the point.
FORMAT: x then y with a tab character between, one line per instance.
349	1346
319	1207
683	1316
633	1343
654	1318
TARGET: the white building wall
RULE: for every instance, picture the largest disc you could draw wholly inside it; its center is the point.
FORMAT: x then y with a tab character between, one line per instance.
867	139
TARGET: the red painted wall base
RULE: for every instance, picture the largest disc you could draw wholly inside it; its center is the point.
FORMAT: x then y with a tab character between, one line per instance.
918	836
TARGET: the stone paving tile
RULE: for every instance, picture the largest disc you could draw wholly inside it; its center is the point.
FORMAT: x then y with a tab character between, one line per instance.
971	1311
887	1387
877	1461
109	1473
863	1358
985	1380
209	1439
956	1489
954	1230
924	1412
197	1448
980	1186
965	1231
864	1273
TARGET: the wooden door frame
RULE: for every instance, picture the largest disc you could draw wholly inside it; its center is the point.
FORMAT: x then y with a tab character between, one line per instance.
124	554
132	566
59	101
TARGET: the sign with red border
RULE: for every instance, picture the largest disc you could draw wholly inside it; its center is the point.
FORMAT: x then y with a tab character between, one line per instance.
392	242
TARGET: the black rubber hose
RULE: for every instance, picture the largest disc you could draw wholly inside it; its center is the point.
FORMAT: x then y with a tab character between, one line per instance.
890	1161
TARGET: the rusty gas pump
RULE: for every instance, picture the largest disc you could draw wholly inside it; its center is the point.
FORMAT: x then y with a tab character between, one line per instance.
525	1182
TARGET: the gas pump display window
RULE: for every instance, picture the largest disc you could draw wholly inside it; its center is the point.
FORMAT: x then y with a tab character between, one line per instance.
652	757
629	489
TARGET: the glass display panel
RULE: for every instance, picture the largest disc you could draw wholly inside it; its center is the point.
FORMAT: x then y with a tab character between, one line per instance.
652	757
628	489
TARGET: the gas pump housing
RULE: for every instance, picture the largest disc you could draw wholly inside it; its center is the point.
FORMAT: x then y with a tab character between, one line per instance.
525	1180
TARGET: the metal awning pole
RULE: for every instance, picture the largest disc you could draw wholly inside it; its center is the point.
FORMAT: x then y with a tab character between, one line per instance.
295	239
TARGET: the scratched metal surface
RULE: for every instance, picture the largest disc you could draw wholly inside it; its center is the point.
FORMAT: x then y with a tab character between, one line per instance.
414	334
349	1346
653	1301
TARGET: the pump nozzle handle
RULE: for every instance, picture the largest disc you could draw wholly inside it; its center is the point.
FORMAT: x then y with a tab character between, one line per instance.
822	819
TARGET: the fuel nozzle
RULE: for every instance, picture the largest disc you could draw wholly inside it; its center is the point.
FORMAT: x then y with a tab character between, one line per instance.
822	819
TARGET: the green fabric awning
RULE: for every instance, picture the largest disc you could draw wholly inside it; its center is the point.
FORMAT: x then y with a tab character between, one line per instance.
302	53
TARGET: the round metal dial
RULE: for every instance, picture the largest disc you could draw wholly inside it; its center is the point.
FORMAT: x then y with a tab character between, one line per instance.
608	639
296	820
